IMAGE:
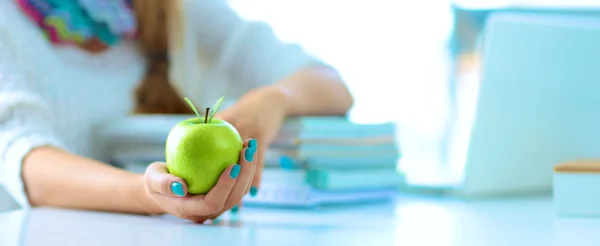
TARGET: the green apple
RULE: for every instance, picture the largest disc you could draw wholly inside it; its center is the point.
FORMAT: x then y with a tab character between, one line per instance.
198	150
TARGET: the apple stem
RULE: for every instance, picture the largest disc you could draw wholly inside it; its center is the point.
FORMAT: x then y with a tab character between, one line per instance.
206	116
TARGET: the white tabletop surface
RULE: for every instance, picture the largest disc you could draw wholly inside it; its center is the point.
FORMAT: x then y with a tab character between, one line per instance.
406	222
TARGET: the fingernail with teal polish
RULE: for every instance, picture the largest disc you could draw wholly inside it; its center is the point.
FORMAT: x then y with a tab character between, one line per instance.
177	188
235	171
253	191
249	154
252	143
235	209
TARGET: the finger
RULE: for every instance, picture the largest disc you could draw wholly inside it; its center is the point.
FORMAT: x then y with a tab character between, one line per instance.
252	143
161	182
236	208
216	216
250	185
247	162
247	143
197	219
262	150
214	201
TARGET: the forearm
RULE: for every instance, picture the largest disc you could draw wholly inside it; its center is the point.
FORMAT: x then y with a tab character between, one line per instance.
315	91
56	178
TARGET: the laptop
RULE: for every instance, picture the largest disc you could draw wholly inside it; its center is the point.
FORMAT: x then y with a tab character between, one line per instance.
536	104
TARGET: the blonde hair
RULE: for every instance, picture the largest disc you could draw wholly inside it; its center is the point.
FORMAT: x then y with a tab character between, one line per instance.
157	19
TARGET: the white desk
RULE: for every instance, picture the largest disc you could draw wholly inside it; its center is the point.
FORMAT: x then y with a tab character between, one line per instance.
409	221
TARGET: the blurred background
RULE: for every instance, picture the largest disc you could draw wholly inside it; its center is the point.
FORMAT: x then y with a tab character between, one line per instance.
406	62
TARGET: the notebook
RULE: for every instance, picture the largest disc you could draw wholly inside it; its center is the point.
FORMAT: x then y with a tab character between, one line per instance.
332	180
307	151
304	196
338	162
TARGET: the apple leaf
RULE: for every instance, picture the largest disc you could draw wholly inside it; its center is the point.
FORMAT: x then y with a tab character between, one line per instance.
215	109
193	107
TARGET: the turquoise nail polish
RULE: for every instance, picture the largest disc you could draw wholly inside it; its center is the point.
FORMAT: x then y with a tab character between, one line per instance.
235	209
177	188
252	143
253	191
235	171
286	162
249	154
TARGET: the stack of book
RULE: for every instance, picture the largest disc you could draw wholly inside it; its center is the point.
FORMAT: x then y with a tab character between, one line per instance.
313	160
329	160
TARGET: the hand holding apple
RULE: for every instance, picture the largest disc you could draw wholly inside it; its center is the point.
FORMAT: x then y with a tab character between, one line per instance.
201	159
167	193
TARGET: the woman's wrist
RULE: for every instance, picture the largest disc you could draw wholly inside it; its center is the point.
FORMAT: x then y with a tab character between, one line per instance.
144	197
314	91
280	95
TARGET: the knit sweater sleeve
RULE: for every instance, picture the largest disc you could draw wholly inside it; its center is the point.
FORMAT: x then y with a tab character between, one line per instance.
247	51
25	122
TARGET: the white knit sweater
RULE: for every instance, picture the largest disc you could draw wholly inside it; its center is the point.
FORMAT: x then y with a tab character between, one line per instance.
57	95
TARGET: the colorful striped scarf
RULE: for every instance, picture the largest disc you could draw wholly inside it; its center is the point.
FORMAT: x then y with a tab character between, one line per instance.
81	22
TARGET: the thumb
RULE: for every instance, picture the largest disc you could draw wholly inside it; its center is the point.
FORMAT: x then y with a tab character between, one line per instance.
159	181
